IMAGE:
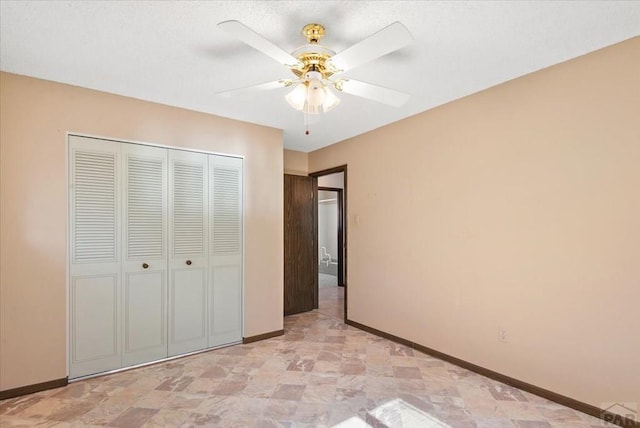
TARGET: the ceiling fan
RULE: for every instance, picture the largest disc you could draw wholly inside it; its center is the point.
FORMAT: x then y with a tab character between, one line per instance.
316	67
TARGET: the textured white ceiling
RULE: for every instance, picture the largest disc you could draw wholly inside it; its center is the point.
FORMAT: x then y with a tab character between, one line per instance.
173	53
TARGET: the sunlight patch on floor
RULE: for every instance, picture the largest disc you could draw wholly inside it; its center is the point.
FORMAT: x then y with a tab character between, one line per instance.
397	414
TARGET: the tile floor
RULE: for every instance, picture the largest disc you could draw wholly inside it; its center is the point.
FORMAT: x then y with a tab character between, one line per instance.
325	280
331	301
320	373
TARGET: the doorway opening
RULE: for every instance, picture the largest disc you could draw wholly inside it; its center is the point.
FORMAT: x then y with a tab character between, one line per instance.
331	241
330	257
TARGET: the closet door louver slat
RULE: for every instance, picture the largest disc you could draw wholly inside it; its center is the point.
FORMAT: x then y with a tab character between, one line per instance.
145	231
188	208
227	226
94	179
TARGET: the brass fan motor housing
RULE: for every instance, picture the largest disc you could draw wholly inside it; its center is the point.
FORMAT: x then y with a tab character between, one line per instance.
313	56
313	61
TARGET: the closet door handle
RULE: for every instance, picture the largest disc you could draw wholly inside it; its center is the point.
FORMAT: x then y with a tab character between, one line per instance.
188	262
145	265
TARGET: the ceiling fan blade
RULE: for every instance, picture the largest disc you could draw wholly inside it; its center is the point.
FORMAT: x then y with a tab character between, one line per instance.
373	92
387	40
256	41
256	88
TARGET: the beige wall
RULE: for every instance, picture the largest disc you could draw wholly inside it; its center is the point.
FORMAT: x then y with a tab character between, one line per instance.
35	115
515	208
296	163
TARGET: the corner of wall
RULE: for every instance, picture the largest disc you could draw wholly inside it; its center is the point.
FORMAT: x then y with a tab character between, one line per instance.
295	162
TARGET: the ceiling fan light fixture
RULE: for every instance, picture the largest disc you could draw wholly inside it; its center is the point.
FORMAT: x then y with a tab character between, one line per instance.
314	65
312	96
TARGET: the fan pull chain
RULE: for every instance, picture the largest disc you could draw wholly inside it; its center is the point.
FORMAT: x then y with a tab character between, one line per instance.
306	123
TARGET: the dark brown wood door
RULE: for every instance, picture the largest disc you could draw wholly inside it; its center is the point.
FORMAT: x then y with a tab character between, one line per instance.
300	244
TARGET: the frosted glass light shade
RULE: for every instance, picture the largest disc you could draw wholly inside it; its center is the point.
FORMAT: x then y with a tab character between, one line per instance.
316	93
298	97
330	100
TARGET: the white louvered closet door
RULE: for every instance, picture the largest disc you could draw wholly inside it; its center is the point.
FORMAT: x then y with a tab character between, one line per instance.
145	258
188	258
95	276
225	250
